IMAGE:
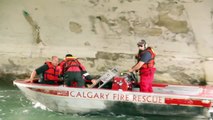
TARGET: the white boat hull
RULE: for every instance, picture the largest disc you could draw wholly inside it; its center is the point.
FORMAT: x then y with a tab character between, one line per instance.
85	100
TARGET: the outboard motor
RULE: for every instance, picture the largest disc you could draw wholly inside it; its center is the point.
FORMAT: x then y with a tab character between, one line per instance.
124	82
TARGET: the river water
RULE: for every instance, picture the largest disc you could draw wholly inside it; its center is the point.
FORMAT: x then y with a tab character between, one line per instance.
14	106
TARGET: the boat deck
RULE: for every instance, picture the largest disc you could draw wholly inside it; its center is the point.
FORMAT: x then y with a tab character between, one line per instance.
201	91
183	90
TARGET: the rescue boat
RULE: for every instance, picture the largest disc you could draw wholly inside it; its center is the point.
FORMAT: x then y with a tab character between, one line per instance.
122	97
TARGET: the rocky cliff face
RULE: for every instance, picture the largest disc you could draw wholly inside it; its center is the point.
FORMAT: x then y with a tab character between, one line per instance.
104	33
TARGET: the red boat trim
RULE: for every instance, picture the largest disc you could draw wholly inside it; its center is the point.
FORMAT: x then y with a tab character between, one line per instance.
51	92
159	85
188	102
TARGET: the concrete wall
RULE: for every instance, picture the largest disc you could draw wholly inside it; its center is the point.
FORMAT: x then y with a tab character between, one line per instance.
104	33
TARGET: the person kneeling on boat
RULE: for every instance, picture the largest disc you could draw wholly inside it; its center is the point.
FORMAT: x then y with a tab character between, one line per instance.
73	71
48	73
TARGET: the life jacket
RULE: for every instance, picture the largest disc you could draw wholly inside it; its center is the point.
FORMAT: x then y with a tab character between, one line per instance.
52	73
151	62
71	62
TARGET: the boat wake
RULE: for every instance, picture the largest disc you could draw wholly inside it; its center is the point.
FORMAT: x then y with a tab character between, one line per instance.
41	106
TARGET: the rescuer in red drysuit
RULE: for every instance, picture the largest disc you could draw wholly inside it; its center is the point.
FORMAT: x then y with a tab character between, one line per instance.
145	65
